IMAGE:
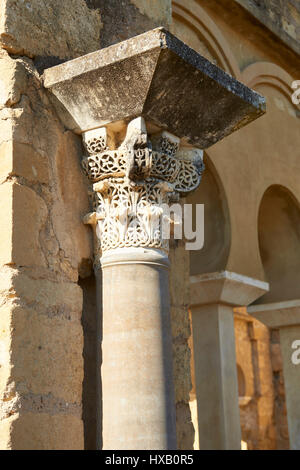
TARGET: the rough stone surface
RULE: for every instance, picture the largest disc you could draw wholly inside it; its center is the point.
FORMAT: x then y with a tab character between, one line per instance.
256	391
280	412
122	19
44	246
37	28
282	17
285	316
43	432
160	72
41	362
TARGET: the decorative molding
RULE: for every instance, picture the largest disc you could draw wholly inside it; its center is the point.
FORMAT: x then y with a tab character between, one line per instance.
131	184
272	75
191	14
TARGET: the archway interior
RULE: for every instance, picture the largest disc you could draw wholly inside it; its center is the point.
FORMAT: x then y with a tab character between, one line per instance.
214	254
279	244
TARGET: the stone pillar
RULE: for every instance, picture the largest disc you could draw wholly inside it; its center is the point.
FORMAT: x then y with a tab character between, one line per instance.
285	316
131	185
135	170
137	375
213	297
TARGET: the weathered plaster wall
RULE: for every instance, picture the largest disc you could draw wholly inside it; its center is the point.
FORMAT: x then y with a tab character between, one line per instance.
282	17
250	41
214	254
249	161
247	383
279	225
245	165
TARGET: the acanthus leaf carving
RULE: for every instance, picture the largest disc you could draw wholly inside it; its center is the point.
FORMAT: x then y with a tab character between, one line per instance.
134	181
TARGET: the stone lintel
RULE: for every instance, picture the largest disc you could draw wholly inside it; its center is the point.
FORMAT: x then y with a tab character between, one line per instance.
225	287
277	314
158	77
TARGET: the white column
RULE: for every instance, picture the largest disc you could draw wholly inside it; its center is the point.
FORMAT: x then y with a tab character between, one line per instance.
131	184
137	369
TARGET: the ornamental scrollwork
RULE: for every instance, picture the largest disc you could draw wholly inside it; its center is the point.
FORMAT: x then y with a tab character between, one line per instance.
133	182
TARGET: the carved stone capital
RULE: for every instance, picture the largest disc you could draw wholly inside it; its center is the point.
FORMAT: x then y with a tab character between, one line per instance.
133	180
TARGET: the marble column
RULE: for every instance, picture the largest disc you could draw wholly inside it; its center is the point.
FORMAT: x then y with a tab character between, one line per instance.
213	297
285	316
144	107
131	185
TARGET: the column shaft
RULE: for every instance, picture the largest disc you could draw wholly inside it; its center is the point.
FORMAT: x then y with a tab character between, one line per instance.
216	377
137	378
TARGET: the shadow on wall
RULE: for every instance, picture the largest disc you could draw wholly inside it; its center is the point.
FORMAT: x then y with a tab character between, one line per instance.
241	381
213	256
279	243
91	394
121	20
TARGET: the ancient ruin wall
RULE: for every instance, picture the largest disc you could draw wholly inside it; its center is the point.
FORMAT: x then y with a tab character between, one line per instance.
46	251
42	196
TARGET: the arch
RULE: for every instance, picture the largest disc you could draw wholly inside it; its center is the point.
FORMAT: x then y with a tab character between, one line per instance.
195	17
279	243
268	73
217	232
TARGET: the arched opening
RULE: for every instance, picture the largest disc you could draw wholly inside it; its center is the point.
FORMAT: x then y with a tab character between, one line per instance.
279	243
193	25
213	256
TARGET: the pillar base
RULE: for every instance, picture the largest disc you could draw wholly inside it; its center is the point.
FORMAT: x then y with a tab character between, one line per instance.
148	256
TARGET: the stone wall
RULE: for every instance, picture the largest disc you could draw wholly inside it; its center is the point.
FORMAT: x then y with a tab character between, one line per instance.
43	195
49	29
69	29
122	19
256	389
280	411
